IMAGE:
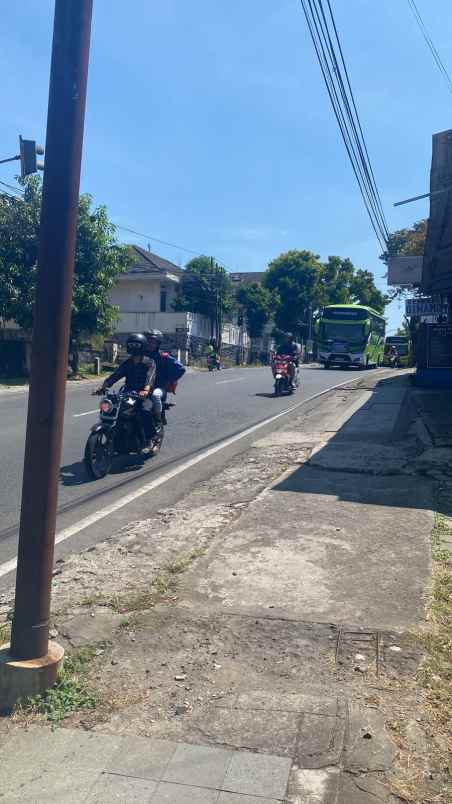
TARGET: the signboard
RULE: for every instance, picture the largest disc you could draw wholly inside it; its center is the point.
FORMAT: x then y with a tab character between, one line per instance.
404	270
439	346
344	314
424	307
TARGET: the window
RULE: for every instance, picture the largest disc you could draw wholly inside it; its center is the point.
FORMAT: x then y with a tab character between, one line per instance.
346	332
163	300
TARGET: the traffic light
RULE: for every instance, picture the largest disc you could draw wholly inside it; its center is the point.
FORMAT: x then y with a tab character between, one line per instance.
28	152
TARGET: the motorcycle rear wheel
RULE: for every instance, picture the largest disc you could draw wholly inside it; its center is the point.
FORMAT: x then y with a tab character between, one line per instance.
98	455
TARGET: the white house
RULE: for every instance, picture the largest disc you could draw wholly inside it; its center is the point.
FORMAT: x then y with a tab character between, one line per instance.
145	294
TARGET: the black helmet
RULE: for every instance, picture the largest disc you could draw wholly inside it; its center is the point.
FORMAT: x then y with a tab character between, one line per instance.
154	333
288	335
136	344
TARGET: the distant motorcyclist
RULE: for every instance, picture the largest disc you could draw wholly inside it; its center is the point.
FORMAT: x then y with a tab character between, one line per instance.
212	354
394	356
289	348
168	372
139	373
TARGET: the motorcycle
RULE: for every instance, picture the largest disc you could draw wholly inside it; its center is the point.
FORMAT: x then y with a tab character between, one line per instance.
213	362
281	374
119	431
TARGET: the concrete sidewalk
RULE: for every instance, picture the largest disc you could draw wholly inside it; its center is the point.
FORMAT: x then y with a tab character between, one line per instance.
76	766
267	672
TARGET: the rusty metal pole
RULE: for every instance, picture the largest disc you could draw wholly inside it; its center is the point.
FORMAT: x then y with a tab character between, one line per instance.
50	343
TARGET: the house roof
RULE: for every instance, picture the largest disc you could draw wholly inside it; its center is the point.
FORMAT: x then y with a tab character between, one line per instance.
148	263
247	277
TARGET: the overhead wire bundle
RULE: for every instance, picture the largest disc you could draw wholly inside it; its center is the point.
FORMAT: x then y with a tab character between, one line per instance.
431	45
325	36
19	192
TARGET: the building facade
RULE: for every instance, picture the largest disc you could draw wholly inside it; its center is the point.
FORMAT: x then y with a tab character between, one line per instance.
145	295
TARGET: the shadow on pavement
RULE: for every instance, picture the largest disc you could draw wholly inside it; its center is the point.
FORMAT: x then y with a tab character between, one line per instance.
75	474
369	460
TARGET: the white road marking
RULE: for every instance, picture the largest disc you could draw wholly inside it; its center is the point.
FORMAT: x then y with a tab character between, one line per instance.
238	379
87	413
82	524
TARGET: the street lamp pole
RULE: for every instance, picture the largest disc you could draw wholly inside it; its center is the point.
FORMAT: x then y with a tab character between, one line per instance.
65	124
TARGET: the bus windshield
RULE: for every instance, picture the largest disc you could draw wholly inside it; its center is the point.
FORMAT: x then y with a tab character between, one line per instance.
342	332
402	347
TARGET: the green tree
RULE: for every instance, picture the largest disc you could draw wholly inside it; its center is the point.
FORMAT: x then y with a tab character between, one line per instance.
206	288
99	261
342	283
336	277
404	329
363	290
295	280
256	301
409	241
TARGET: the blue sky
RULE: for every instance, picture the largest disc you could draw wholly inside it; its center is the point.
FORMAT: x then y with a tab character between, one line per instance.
208	124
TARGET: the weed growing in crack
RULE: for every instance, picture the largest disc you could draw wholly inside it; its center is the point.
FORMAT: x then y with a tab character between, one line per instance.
182	563
5	632
71	693
435	673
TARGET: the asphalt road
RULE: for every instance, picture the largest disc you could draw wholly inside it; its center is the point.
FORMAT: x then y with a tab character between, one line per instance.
209	408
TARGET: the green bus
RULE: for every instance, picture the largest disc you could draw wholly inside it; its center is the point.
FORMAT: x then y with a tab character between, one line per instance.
403	346
350	335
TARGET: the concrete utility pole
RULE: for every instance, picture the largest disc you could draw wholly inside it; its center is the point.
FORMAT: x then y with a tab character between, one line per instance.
65	123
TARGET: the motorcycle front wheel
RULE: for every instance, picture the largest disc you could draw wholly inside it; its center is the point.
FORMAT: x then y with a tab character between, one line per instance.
98	455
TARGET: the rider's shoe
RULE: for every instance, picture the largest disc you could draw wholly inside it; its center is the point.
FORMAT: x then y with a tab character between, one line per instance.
147	449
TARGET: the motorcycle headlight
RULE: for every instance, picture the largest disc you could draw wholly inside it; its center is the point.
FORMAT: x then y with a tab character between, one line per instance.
105	406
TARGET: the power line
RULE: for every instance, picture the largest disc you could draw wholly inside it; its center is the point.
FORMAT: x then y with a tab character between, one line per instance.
126	229
166	243
353	125
325	37
157	240
349	127
431	45
17	190
356	113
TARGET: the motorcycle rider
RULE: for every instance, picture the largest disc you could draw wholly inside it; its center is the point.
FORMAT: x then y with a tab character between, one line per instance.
289	348
393	356
168	372
212	353
139	373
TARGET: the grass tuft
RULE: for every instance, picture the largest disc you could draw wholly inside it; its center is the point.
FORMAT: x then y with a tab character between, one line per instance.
71	693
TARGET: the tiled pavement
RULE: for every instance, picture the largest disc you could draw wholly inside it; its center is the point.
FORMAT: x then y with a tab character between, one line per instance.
70	767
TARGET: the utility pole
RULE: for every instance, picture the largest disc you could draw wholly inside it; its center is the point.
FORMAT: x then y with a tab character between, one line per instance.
65	123
310	330
215	291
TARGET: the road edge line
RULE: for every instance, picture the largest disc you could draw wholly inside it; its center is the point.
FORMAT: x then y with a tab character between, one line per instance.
91	519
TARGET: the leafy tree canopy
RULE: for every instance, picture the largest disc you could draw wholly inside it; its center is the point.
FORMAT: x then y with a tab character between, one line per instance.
342	283
256	301
205	288
364	291
99	261
409	241
301	283
295	280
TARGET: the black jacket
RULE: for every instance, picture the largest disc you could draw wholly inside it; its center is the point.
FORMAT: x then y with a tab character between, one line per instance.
136	375
289	349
